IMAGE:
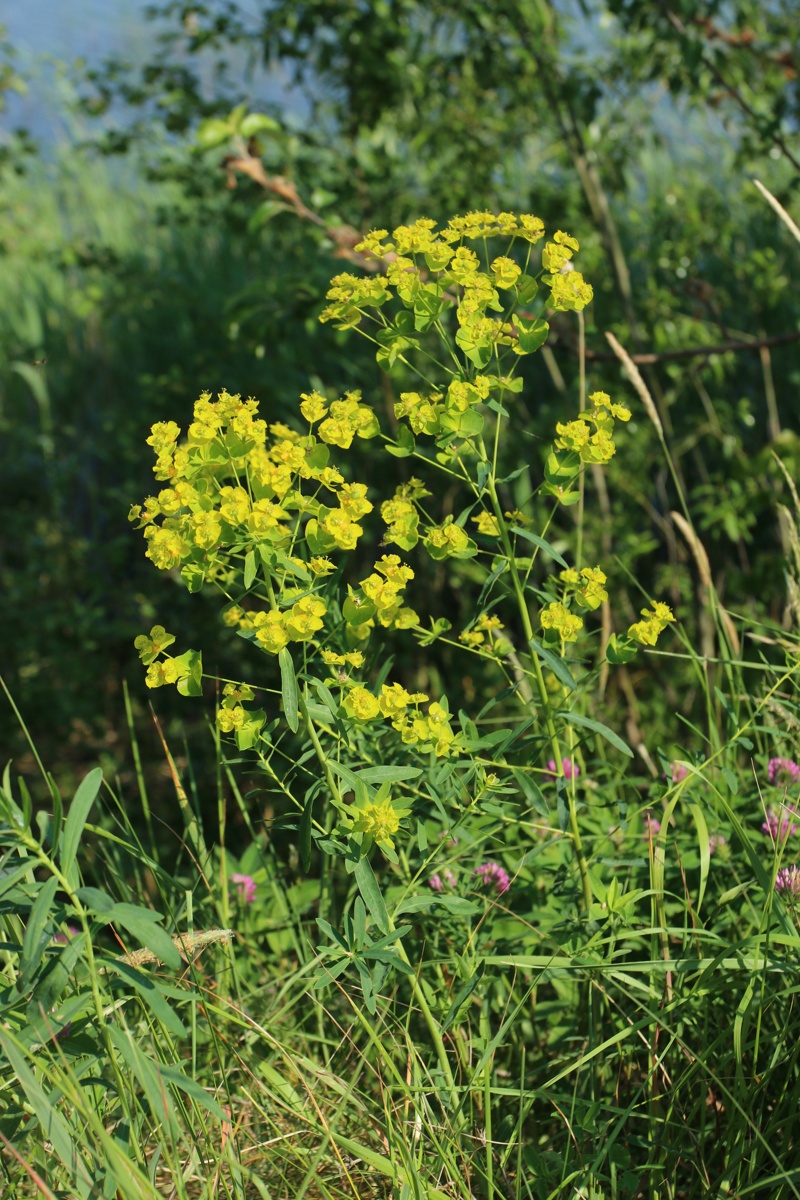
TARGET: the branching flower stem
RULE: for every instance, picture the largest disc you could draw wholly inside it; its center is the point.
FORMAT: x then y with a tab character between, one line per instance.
416	986
546	709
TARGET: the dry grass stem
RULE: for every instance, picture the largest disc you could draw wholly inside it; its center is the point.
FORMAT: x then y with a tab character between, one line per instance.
639	384
704	569
779	209
188	944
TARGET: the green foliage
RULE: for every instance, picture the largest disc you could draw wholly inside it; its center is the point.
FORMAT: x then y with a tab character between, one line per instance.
513	889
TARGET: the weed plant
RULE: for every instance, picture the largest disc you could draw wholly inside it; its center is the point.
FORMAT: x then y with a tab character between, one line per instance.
453	949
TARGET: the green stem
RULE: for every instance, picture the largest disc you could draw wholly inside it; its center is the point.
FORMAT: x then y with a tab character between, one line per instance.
577	841
326	874
416	986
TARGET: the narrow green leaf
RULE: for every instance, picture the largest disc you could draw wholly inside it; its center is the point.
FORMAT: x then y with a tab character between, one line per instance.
540	542
9	877
96	900
142	924
77	817
704	848
250	569
597	727
388	774
37	932
555	664
454	904
371	892
193	1089
306	821
54	981
289	689
491	581
57	822
46	1109
147	1073
462	996
562	805
150	991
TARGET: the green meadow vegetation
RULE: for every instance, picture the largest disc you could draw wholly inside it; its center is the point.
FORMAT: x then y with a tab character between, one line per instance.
400	560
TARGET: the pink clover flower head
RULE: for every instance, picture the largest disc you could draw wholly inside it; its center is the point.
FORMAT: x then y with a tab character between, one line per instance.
435	882
783	771
787	881
779	823
62	938
716	842
245	887
651	825
678	772
449	878
571	769
493	873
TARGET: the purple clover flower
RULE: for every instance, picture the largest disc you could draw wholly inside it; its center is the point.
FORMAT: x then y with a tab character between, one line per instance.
571	769
449	878
62	938
246	888
651	825
435	882
787	882
493	873
678	772
783	771
779	824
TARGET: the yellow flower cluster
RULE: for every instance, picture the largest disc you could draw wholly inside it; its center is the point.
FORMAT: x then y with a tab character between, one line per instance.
170	670
350	294
455	264
448	541
483	633
577	436
440	413
378	821
589	585
558	618
275	629
419	238
353	658
429	731
400	514
384	588
344	419
236	482
185	670
487	524
559	251
655	621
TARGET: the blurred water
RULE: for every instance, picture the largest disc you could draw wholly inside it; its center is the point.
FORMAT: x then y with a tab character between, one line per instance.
51	35
69	29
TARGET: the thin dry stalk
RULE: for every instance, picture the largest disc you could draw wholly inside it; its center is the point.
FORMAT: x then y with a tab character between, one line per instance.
632	371
704	570
779	209
187	944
